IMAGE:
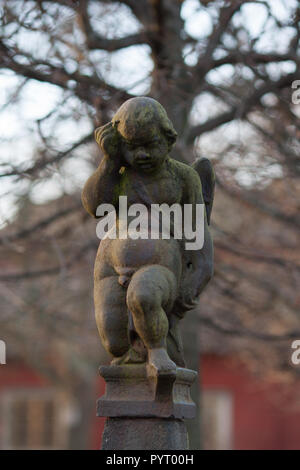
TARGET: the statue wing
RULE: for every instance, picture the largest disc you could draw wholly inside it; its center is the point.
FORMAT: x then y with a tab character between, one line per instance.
206	173
197	264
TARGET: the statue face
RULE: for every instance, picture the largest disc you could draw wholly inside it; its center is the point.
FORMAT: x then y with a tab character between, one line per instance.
147	152
142	124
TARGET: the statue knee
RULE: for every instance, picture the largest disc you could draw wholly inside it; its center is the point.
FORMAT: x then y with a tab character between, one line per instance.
141	302
116	347
151	289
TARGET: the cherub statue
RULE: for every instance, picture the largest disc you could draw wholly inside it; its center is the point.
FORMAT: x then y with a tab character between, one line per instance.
143	287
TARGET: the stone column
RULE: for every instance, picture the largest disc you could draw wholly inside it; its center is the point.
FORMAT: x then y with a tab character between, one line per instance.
145	411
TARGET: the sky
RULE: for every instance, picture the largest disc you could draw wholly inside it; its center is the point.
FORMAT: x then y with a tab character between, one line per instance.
132	68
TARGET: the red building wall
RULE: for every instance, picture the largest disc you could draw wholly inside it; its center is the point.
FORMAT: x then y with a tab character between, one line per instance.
19	375
265	416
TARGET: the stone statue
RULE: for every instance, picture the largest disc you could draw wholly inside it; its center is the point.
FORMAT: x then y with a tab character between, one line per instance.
143	287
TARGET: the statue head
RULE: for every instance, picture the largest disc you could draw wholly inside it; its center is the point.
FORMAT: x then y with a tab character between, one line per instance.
147	133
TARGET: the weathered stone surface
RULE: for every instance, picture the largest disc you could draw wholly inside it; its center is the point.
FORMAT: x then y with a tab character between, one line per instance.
131	391
144	434
143	286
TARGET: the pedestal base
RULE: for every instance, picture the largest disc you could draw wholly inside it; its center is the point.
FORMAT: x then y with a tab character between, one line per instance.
145	411
144	434
132	391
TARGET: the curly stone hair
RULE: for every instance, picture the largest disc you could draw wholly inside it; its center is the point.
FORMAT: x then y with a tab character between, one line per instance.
142	112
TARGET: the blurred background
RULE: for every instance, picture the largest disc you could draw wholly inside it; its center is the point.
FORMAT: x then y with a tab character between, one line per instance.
228	74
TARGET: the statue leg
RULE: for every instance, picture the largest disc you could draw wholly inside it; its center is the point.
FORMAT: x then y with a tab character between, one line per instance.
150	296
111	315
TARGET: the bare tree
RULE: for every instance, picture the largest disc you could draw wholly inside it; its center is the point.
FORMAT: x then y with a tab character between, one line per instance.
224	71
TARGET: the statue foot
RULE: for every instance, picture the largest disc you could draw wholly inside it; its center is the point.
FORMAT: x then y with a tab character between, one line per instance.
160	362
130	357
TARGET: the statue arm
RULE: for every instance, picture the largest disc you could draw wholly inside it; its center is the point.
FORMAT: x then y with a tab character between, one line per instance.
102	186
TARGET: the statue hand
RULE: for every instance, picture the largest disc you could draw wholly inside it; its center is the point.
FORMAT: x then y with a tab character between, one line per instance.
109	140
192	284
188	296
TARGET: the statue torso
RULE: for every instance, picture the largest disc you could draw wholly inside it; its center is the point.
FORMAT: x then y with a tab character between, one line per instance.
164	187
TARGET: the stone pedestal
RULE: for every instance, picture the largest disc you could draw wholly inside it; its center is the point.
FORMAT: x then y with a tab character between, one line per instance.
144	434
145	411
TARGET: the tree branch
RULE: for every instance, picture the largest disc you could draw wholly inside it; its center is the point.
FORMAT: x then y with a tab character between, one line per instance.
254	201
95	41
241	331
225	16
87	87
40	164
27	275
240	111
254	256
39	225
253	58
